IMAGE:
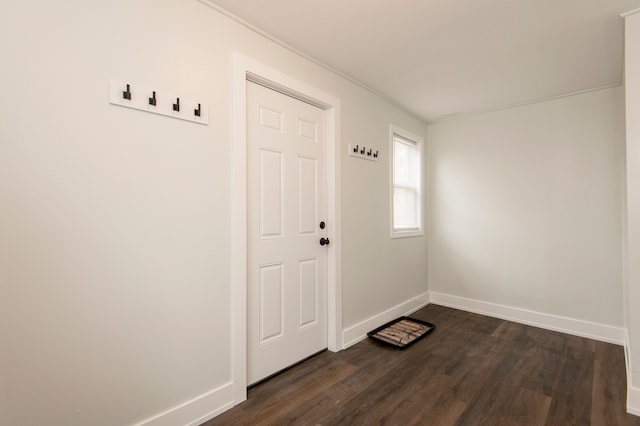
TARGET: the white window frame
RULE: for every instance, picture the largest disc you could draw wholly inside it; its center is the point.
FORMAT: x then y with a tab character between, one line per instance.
419	141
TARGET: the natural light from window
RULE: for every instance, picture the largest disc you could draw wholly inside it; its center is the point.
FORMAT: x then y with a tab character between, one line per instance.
405	185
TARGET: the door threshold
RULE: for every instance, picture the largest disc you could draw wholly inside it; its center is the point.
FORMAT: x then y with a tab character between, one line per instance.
277	373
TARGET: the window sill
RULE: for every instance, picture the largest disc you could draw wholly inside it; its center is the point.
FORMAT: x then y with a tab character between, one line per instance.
408	233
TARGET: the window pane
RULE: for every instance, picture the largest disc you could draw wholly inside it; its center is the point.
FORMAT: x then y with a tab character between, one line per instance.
405	208
406	185
405	159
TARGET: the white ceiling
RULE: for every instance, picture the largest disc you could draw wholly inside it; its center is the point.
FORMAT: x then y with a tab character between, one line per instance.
443	58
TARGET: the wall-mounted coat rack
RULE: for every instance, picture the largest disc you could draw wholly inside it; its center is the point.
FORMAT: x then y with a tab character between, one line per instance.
132	96
364	152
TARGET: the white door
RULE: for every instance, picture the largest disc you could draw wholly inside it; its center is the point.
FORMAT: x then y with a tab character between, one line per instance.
287	265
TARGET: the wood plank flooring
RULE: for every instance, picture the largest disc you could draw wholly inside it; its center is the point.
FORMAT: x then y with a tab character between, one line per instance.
472	370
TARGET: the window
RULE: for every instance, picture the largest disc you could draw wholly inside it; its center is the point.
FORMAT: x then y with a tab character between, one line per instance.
406	176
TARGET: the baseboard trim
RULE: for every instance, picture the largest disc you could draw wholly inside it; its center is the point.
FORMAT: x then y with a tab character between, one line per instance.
591	330
633	401
196	411
358	332
633	393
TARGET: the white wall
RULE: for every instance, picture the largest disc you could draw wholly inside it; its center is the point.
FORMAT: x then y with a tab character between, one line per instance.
114	223
379	272
632	236
525	207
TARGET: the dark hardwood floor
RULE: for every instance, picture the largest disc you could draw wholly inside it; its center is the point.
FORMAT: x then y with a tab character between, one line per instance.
472	370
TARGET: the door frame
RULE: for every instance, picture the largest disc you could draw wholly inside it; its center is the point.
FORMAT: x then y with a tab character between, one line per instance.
245	69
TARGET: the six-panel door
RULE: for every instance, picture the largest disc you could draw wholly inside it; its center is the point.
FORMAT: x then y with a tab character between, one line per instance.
287	267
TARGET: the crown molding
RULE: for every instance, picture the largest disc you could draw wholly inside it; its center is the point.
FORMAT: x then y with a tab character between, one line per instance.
521	104
631	12
211	4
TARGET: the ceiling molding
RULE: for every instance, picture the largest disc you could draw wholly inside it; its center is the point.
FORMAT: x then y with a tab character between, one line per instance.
292	49
631	12
521	104
517	100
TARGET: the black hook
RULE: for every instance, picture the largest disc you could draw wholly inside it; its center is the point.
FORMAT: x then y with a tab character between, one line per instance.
362	150
152	100
375	155
197	111
127	93
369	152
355	149
176	106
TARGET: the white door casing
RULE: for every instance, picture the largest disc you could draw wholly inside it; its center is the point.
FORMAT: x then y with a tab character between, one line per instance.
245	69
286	265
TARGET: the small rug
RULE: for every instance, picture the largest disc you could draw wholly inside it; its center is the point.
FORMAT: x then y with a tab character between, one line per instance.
402	332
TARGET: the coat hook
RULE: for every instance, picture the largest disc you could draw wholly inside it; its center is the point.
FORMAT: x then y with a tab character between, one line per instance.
127	93
355	149
197	111
152	100
369	152
375	154
176	106
362	150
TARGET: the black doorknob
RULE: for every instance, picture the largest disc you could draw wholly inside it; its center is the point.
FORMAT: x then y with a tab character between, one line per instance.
324	241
